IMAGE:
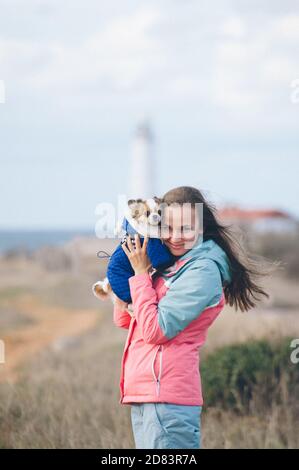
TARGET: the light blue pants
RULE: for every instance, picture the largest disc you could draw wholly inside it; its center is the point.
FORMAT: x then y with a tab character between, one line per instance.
166	426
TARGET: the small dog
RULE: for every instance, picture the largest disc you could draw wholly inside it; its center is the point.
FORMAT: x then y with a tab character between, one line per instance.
144	216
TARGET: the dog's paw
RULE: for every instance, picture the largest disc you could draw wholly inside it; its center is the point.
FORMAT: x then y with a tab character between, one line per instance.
98	290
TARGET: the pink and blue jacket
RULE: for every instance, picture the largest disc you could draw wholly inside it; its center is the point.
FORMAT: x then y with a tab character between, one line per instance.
173	310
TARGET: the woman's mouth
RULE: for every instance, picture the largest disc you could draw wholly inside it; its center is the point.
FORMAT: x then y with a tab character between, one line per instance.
177	246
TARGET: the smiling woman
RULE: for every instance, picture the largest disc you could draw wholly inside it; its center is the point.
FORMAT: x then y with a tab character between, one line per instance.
180	227
173	310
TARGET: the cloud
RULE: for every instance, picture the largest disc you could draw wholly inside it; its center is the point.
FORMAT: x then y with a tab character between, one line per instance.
287	27
187	58
215	78
234	27
253	72
2	92
118	55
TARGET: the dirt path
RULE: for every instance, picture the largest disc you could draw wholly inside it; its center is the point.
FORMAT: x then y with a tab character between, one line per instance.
51	323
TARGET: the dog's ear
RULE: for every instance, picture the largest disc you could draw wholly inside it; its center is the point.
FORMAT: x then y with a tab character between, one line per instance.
158	201
131	201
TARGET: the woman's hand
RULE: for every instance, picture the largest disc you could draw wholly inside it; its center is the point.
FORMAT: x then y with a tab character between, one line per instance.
137	256
120	304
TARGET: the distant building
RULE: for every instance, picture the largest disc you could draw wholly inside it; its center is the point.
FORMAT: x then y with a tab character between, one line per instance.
142	165
259	220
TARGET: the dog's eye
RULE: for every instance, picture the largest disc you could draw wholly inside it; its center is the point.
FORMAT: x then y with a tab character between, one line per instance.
159	211
148	213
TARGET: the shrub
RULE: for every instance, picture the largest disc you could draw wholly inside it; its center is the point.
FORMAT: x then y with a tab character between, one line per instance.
255	374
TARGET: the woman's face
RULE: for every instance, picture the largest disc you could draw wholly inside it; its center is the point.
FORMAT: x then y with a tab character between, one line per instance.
180	228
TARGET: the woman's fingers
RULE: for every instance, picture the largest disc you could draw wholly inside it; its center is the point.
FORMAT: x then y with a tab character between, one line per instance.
135	245
145	242
129	242
123	245
137	241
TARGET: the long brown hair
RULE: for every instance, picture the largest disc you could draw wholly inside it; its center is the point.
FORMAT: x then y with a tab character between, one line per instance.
243	291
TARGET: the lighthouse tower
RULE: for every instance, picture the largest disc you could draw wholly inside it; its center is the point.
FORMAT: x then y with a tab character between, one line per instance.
141	182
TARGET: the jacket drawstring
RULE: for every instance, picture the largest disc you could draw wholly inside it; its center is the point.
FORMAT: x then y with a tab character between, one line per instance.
157	379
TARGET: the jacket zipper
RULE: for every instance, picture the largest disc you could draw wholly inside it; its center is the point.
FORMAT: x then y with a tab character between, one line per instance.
128	341
158	379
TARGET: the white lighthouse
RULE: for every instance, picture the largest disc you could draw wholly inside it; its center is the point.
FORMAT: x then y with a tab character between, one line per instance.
141	182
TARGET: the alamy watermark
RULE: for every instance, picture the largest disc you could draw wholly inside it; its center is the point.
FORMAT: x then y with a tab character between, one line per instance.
188	225
294	357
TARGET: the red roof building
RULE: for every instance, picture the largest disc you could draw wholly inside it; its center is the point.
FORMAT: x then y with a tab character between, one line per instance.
262	220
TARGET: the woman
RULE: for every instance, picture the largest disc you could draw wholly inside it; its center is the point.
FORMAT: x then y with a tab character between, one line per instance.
172	311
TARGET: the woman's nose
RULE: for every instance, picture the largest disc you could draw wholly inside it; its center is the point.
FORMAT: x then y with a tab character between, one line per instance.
176	236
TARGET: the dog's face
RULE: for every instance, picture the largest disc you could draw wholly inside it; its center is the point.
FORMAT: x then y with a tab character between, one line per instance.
145	211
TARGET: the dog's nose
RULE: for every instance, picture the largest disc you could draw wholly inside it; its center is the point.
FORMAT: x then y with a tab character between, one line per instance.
154	218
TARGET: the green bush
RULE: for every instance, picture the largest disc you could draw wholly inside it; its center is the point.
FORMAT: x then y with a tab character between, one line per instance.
255	374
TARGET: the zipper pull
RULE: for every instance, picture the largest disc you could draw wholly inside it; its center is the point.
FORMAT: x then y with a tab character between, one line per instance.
158	386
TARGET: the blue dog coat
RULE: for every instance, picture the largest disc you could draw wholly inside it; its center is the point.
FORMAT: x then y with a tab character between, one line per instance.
119	268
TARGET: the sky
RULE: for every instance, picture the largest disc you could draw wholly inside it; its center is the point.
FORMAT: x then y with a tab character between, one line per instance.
218	81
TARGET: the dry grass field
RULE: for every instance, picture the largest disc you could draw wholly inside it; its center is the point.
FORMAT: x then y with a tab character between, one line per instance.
59	385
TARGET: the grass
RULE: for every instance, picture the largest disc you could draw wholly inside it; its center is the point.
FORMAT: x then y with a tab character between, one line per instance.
12	320
68	397
11	292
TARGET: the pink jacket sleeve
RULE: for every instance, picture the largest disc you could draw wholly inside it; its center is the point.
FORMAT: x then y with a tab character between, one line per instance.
121	318
194	290
145	304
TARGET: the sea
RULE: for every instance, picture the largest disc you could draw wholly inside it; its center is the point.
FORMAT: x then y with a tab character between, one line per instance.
30	240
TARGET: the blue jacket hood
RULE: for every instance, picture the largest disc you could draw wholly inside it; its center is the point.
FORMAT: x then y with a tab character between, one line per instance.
210	249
